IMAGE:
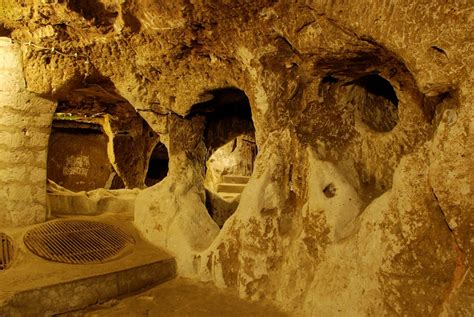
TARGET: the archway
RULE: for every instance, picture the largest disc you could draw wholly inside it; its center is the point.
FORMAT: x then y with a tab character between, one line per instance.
98	140
230	140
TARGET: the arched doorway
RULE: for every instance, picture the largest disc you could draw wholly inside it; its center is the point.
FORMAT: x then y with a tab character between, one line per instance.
231	149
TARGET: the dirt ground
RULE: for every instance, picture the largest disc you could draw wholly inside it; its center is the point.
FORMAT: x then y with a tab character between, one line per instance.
181	297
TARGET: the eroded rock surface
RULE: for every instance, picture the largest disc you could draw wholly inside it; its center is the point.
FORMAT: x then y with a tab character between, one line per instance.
360	200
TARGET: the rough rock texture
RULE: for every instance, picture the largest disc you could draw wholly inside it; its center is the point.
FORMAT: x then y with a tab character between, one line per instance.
360	202
62	201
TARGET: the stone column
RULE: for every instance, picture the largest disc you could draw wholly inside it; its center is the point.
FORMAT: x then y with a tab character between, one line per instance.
25	121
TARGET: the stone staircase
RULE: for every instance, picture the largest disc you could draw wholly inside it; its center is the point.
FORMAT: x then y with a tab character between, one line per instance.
232	186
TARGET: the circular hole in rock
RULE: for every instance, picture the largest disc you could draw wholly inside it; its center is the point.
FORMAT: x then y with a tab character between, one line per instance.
330	190
377	104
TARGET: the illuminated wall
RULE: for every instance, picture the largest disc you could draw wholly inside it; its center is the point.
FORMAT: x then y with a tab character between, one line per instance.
25	121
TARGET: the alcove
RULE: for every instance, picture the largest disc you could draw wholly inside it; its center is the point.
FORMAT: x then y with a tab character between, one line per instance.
77	152
98	140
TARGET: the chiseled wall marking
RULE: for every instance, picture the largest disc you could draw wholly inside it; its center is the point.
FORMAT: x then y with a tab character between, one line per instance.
77	165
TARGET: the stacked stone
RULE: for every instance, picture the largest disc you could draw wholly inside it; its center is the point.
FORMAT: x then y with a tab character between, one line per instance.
25	121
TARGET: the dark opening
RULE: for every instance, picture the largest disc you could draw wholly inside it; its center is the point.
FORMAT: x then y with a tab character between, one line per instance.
93	10
330	190
4	31
378	86
158	165
439	50
379	106
329	80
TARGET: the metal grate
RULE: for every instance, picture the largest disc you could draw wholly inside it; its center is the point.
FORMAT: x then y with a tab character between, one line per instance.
77	241
6	251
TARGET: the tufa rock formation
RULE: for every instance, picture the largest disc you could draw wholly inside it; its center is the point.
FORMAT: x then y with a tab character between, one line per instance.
360	200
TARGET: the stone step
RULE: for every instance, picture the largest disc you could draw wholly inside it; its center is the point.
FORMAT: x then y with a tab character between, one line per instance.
229	196
230	188
33	286
235	179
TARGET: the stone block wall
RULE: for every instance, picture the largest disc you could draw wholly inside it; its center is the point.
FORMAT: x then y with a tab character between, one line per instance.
25	120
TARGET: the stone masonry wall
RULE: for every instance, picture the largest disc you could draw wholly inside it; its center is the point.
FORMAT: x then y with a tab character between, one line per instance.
25	122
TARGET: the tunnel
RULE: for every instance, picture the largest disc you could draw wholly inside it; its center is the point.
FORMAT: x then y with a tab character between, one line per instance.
229	137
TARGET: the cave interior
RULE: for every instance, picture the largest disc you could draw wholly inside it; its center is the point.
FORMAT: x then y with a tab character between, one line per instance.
223	158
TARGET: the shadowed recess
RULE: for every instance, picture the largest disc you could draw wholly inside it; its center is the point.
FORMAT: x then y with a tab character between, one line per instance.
378	108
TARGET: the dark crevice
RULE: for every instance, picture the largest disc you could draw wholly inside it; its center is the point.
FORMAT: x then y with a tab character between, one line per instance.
461	264
132	22
160	113
442	212
446	221
329	80
230	101
378	106
439	50
305	25
288	45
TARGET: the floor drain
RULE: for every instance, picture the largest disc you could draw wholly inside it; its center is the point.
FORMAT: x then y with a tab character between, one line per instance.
6	251
77	241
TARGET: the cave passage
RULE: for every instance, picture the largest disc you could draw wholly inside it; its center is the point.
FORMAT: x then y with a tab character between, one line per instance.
378	108
230	140
158	165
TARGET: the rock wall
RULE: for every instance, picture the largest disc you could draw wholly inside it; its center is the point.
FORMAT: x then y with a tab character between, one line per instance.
77	159
360	199
25	120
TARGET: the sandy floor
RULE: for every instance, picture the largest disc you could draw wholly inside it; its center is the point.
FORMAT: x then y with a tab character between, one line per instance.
181	297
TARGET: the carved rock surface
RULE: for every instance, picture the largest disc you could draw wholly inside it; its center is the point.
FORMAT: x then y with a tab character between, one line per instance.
360	201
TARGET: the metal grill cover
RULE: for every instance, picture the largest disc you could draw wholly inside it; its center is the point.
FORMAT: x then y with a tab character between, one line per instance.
77	241
6	251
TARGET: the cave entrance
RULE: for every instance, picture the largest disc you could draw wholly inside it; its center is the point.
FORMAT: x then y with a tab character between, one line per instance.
157	165
230	140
